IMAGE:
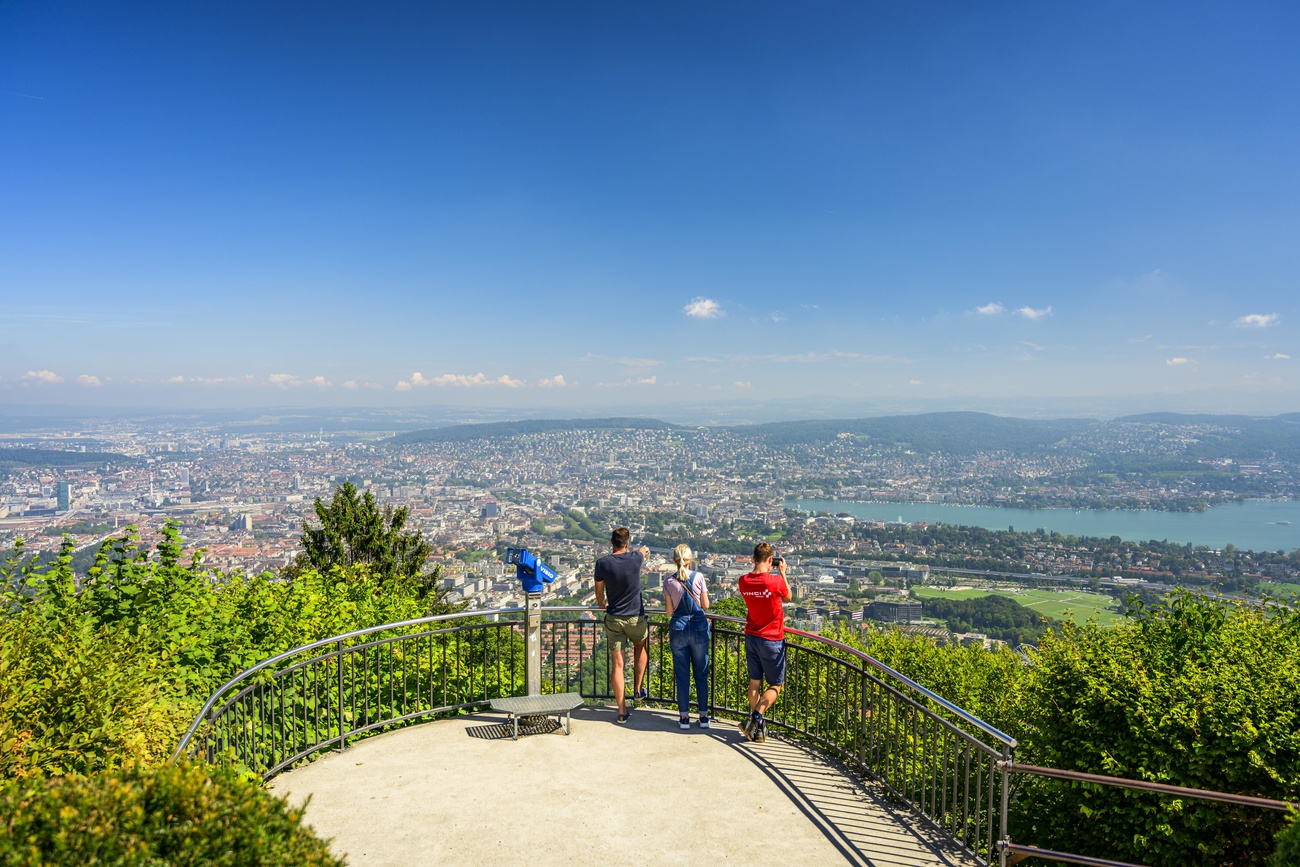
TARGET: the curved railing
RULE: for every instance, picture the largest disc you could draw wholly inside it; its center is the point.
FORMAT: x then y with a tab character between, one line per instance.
931	754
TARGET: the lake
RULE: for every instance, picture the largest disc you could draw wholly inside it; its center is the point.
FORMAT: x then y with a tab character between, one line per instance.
1260	525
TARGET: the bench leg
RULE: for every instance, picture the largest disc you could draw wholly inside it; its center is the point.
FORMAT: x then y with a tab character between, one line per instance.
515	720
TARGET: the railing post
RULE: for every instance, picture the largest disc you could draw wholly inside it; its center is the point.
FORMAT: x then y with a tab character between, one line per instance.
533	627
338	648
1003	840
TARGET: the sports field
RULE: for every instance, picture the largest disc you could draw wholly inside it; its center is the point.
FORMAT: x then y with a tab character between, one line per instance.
1279	588
1052	603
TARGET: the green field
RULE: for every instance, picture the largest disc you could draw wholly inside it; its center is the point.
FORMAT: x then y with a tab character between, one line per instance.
1054	604
1279	588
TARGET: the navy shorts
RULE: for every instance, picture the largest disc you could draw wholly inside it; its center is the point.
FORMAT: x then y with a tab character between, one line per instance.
765	659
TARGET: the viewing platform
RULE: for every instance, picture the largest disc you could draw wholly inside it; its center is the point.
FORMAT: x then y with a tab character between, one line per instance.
460	791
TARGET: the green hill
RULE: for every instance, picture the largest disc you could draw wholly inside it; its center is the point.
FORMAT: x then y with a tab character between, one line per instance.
465	432
950	432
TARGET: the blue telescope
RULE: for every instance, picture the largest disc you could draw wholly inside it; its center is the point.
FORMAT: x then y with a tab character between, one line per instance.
531	572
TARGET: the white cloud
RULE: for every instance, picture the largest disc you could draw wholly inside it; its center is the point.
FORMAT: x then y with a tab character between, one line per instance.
1258	320
556	381
42	376
319	382
815	357
1278	356
1031	313
457	380
701	359
89	381
1033	346
173	380
638	363
350	384
647	380
993	308
284	380
704	308
740	383
777	316
1174	362
914	382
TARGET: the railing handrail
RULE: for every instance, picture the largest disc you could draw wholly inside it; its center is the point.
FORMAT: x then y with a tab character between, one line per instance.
577	609
323	642
1147	786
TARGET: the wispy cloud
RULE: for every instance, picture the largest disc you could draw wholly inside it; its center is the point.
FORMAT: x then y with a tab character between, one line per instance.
89	380
42	376
1174	362
993	308
704	308
1258	320
556	381
457	380
701	359
1032	313
740	383
352	385
914	382
1278	356
817	357
777	316
1033	346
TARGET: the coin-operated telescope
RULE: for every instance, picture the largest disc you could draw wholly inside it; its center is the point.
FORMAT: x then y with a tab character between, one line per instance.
530	571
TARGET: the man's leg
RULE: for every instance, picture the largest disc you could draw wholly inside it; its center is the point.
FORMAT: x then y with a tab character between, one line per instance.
616	663
754	692
767	699
640	661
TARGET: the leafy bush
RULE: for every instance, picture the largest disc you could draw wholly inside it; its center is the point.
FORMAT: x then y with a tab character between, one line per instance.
179	815
1192	693
1288	845
105	673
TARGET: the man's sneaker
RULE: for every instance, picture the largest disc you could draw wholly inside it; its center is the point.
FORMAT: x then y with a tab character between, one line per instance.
746	728
684	722
704	720
642	694
759	731
624	717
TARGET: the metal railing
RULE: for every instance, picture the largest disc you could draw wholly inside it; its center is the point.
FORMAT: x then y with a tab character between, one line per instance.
953	769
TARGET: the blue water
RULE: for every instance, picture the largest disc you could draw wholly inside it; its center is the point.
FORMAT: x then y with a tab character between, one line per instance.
1253	524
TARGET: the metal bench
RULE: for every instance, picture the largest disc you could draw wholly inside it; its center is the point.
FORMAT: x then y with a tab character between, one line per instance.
560	704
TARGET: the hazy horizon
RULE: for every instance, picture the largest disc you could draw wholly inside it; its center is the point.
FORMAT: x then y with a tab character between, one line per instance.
531	209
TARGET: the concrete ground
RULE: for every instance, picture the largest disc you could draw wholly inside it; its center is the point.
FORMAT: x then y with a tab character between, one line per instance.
457	792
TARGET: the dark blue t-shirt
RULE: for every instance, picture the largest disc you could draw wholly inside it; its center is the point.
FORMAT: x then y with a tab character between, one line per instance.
622	576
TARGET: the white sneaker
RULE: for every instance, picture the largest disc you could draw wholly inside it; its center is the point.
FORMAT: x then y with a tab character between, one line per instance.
684	722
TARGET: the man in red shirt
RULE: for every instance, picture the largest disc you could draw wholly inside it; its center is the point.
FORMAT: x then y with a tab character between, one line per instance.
764	592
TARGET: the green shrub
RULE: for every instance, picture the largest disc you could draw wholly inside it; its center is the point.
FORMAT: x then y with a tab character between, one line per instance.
177	815
1191	693
1288	844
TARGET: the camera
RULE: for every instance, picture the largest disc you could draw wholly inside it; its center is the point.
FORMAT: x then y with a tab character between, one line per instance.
777	558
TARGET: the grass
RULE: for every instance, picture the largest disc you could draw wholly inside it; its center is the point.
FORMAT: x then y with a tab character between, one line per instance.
1279	588
1057	605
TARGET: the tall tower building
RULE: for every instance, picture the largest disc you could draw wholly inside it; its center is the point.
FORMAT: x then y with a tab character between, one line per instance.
185	477
64	494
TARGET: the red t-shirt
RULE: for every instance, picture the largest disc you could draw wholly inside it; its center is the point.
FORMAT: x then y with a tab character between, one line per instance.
763	593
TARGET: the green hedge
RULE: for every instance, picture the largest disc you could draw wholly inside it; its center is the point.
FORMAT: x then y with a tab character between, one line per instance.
176	815
1288	845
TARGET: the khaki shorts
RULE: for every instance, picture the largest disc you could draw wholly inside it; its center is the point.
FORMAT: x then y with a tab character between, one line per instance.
620	631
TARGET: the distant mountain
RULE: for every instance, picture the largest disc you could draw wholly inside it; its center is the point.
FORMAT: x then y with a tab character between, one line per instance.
22	459
465	432
950	432
1254	439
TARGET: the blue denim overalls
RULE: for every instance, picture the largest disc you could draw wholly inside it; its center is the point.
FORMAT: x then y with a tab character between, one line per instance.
689	639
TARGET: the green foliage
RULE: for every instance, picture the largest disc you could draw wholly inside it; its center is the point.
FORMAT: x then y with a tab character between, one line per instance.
996	616
1191	693
1288	844
178	815
354	531
109	672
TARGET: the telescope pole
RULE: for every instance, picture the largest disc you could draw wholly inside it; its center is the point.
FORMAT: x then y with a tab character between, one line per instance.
533	626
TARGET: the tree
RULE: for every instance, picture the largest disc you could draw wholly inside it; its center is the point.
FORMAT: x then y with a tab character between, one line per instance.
354	531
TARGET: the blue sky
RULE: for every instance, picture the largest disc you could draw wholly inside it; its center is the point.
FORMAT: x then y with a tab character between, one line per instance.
634	204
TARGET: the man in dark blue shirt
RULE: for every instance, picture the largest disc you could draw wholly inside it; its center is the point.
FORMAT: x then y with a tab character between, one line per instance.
618	591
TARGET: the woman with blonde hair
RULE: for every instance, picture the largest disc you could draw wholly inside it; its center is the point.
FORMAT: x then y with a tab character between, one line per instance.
686	596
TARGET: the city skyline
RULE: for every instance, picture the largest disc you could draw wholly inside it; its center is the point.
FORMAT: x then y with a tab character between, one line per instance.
575	207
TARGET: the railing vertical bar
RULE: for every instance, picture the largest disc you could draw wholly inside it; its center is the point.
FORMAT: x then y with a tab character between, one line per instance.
965	805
